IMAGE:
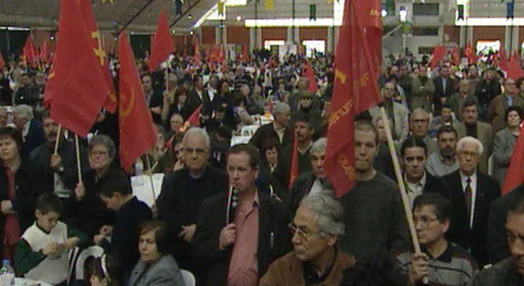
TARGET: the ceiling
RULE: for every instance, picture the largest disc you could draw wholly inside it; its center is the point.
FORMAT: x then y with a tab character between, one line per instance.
138	15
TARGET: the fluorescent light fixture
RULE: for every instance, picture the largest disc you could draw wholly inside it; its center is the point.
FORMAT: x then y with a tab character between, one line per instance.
288	22
490	22
236	3
15	28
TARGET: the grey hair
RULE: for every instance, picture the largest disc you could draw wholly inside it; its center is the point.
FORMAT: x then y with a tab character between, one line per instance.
24	111
105	141
197	130
280	107
319	145
419	110
330	213
469	139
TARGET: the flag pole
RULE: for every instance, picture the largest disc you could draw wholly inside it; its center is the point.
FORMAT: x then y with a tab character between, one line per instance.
78	163
150	175
402	187
58	139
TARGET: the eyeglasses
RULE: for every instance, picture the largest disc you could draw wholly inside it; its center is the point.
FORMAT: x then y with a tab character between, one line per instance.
199	151
425	220
301	233
469	153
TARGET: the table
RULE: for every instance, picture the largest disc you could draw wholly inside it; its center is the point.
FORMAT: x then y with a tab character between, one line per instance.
27	282
141	186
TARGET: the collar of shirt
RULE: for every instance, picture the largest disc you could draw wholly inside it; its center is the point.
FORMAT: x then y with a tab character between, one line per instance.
304	151
311	276
25	129
199	176
441	159
419	185
446	256
464	178
282	129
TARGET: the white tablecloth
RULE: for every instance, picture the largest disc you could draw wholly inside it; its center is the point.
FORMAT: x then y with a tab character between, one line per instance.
27	282
142	187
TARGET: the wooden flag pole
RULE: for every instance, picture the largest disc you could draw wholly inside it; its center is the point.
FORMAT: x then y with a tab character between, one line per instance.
78	163
402	187
148	160
57	142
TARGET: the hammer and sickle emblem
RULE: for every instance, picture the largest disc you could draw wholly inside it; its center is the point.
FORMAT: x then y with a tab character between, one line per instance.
130	100
340	76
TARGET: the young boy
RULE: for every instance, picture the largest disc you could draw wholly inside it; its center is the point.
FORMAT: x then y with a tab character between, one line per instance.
115	190
42	252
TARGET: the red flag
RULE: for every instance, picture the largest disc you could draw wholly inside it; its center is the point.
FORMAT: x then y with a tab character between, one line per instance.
44	52
294	162
514	175
96	40
503	61
514	67
196	56
221	55
310	75
2	63
355	90
76	89
438	55
244	57
162	45
193	120
370	21
470	53
134	118
29	52
455	56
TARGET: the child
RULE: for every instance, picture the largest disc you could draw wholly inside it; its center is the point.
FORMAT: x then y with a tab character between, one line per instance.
115	190
102	271
41	253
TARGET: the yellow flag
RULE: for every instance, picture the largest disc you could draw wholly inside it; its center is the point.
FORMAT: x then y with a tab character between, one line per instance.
220	8
269	4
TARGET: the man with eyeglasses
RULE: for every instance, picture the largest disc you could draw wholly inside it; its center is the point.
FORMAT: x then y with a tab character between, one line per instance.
419	125
472	193
316	228
184	191
240	232
443	262
498	106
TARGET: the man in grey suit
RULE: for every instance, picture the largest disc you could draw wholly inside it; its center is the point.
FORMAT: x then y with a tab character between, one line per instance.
397	114
470	126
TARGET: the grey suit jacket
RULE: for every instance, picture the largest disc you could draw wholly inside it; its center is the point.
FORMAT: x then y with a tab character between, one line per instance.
484	134
401	115
502	149
164	272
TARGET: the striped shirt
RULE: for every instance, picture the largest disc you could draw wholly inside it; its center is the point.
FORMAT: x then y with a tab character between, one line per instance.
453	267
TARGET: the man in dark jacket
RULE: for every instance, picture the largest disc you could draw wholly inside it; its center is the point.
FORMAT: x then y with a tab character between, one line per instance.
184	191
417	181
240	233
278	129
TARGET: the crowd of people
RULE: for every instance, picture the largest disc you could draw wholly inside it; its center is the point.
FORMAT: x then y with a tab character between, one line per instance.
239	214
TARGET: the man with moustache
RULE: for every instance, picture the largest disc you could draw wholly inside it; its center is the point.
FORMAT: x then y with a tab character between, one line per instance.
510	271
444	161
373	208
56	172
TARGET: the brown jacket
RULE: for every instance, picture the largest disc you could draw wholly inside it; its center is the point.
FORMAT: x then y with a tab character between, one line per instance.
497	111
287	270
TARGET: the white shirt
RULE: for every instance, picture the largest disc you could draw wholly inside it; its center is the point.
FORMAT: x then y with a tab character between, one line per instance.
473	185
414	189
25	129
316	188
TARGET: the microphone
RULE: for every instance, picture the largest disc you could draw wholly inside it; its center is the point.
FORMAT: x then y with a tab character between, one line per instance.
232	203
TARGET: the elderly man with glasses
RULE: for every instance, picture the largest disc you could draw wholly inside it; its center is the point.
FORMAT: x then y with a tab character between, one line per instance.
184	191
316	228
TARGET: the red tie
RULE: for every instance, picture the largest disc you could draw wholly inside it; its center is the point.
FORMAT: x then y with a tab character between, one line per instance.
468	194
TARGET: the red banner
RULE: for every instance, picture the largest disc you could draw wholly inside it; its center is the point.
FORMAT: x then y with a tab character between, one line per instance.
310	75
355	90
134	118
162	45
76	90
